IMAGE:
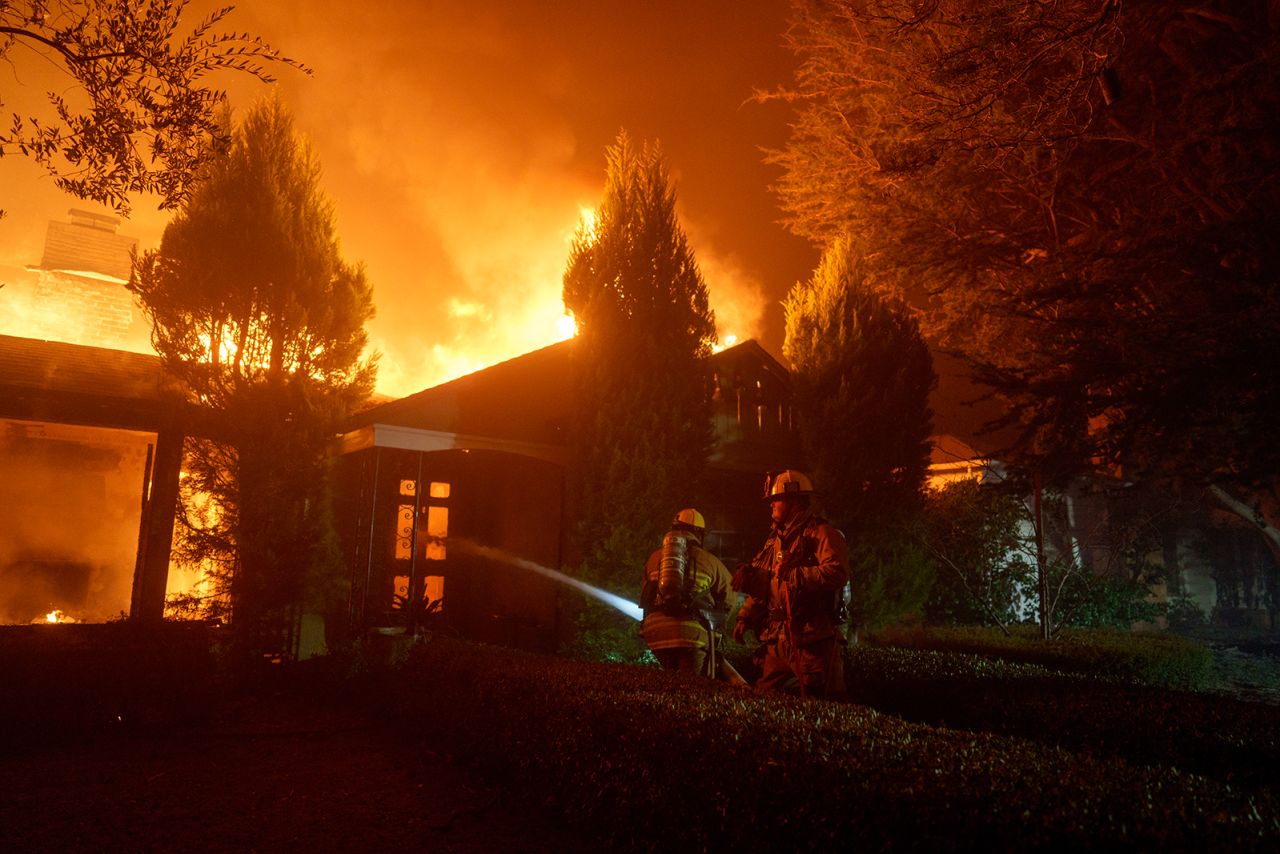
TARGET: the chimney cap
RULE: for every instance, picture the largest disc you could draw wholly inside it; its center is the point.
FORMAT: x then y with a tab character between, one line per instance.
106	222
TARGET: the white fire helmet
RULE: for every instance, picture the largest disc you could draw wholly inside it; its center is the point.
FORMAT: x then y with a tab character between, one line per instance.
787	482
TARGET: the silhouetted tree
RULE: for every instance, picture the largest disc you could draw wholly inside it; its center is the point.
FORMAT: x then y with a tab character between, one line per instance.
140	119
1085	194
861	377
255	311
644	332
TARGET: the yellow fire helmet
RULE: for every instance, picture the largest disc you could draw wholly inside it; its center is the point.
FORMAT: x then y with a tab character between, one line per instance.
780	484
691	519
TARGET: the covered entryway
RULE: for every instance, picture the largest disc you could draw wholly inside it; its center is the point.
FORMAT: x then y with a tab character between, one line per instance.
413	505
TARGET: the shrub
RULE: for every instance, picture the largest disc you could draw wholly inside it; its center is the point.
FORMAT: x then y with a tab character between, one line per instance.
1103	601
1153	659
75	681
975	538
657	761
597	632
1229	740
1185	615
891	577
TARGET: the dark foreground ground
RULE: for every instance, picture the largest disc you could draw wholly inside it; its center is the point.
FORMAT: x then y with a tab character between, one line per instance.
278	767
269	772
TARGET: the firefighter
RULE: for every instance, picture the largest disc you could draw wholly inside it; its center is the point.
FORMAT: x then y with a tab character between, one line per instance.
684	593
796	589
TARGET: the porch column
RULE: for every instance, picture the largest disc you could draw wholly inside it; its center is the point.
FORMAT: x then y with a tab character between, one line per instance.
152	576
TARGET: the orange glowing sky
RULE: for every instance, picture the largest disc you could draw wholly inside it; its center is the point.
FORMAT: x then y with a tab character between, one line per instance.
462	140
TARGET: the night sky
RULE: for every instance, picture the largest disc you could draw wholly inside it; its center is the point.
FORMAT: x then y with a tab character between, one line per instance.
460	142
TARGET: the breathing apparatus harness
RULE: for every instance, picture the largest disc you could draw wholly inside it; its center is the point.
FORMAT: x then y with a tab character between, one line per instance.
674	595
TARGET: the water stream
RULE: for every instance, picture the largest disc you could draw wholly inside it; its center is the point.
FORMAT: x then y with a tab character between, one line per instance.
627	607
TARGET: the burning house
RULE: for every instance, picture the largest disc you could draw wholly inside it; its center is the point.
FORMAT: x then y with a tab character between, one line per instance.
439	491
437	483
90	457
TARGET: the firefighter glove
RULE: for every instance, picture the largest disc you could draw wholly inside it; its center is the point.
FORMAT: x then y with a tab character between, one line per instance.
791	576
740	632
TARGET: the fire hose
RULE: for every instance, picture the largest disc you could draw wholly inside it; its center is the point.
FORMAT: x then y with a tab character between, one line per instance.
793	653
718	667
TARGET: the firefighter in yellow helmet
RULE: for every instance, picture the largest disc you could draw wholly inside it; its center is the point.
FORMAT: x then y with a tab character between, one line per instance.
684	594
795	590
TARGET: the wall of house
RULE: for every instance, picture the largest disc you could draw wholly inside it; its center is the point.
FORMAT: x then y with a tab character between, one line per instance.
752	415
737	516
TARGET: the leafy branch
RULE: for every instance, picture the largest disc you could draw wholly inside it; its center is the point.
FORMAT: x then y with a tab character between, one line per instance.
141	122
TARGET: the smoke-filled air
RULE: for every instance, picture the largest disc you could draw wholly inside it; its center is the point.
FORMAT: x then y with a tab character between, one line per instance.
462	143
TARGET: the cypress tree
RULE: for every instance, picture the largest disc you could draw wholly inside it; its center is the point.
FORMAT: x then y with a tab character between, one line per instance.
255	312
643	425
861	377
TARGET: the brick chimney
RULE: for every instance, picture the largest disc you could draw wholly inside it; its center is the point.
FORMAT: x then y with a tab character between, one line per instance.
80	296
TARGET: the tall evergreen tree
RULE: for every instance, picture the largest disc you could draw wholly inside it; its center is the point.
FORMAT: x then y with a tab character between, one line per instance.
645	330
255	311
861	377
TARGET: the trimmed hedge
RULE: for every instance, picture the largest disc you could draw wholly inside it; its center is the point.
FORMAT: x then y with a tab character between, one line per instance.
1152	659
653	760
1230	740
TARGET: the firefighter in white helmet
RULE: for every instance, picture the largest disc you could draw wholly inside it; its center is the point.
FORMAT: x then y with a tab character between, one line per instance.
684	594
795	590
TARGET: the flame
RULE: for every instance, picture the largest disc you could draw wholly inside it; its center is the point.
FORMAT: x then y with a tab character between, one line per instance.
727	340
567	326
229	347
588	223
56	616
505	301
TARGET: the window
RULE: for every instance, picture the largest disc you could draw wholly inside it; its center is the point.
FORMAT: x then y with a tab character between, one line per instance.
404	532
437	531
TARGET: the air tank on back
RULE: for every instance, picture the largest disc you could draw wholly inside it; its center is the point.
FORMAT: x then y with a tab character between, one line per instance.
671	568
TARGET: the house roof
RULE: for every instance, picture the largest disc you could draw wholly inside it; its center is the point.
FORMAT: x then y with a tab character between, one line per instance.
75	384
751	349
527	399
524	399
949	450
